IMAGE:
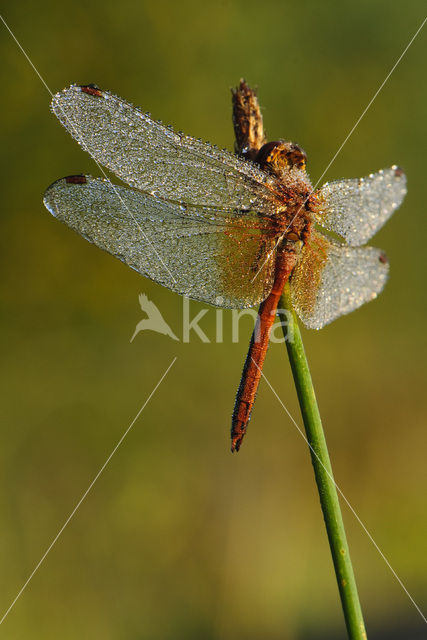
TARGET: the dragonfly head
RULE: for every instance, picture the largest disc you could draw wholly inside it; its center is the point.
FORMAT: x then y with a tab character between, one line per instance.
279	156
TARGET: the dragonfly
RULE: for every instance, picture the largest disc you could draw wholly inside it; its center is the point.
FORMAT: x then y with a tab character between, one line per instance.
226	229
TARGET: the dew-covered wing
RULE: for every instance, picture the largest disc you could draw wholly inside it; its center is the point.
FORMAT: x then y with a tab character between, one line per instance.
205	255
331	279
149	156
358	207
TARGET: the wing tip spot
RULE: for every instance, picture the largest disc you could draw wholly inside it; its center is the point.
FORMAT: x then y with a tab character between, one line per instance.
91	90
398	171
76	179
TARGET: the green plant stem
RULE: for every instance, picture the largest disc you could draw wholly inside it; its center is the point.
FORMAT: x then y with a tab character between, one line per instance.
322	471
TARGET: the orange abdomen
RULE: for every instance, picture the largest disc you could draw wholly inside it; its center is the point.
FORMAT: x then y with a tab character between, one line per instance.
258	346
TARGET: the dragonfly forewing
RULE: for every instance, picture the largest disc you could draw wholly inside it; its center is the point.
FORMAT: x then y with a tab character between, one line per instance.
152	157
357	208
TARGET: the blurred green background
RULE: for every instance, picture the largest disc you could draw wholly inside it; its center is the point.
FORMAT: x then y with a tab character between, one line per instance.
178	538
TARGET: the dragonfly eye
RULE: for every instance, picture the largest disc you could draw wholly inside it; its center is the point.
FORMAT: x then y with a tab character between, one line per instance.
297	156
277	156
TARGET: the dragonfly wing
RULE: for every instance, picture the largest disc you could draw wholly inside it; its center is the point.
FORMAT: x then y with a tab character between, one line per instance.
357	208
212	258
150	156
331	279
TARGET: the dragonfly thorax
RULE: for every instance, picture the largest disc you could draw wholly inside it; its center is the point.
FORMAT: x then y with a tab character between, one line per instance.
286	161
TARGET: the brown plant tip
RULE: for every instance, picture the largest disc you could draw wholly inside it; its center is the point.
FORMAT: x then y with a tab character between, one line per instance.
92	90
79	179
247	121
398	171
383	258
